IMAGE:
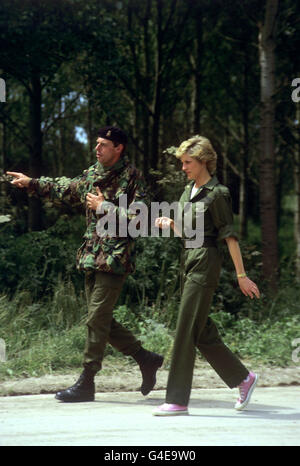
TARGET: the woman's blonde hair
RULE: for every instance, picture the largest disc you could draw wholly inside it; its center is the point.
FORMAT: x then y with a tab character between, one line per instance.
200	148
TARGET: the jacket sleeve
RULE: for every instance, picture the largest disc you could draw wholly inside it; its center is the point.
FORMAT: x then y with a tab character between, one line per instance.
62	190
222	216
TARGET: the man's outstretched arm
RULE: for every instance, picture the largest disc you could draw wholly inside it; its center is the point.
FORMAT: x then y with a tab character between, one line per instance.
56	190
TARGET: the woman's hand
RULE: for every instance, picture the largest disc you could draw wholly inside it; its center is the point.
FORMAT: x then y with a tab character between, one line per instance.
248	287
164	223
94	201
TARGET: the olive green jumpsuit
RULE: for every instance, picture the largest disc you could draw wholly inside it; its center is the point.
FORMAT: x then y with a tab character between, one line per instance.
201	273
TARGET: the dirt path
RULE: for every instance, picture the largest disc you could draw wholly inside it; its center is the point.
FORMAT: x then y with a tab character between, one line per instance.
118	376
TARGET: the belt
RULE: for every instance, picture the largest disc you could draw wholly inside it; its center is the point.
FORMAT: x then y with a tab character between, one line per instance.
208	242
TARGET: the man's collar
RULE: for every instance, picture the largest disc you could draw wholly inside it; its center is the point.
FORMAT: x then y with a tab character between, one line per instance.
121	163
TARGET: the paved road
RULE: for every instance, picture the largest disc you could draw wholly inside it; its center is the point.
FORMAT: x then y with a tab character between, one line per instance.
125	419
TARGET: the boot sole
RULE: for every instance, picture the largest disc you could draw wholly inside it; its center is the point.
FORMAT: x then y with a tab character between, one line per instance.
74	400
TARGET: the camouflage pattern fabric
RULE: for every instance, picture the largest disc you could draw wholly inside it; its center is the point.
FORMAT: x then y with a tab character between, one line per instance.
111	254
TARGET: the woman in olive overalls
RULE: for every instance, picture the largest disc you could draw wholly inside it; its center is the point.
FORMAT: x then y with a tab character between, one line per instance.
201	272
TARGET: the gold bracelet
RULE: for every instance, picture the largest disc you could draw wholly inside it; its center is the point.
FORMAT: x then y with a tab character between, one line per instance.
241	275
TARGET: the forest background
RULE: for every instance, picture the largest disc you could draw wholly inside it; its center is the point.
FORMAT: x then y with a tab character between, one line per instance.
162	70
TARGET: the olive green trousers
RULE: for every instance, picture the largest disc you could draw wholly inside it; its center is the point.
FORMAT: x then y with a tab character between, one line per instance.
196	330
102	293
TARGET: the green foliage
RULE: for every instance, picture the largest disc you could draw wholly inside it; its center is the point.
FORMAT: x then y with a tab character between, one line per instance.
170	181
44	335
269	342
36	261
156	278
155	336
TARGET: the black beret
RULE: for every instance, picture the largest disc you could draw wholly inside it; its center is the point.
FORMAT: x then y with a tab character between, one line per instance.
113	133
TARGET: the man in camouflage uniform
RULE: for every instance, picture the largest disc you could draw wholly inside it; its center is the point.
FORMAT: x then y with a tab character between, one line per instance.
106	260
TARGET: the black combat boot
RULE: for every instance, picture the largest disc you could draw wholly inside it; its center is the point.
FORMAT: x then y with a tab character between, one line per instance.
82	390
149	364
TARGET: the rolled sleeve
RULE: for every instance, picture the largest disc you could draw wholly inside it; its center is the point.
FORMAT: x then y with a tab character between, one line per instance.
221	212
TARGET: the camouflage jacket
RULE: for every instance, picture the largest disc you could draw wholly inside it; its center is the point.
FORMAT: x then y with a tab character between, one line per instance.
111	253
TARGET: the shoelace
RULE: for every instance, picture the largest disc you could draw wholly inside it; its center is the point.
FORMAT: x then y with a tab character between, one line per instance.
242	392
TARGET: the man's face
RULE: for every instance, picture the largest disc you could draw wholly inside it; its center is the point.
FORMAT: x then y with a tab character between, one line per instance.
107	154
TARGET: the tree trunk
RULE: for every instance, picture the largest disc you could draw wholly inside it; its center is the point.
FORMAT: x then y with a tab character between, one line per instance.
267	185
35	162
243	204
3	166
243	201
91	136
4	147
198	70
297	190
62	152
157	97
147	91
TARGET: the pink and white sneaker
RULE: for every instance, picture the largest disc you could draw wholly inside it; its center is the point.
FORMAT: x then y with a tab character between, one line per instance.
170	410
246	388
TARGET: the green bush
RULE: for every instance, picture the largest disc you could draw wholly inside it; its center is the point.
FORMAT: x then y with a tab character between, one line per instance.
35	261
155	336
157	272
269	342
44	335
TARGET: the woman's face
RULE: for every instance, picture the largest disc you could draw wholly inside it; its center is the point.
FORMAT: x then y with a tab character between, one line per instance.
192	167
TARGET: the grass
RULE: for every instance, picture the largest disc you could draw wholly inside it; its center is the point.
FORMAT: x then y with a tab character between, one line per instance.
269	342
49	336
